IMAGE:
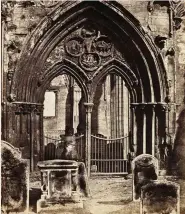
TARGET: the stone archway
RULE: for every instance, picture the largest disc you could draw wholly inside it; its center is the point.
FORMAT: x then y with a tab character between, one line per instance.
87	44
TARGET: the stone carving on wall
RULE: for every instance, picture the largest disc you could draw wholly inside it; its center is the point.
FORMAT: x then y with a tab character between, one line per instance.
178	8
160	41
27	108
90	61
47	3
87	47
74	46
103	46
176	11
11	97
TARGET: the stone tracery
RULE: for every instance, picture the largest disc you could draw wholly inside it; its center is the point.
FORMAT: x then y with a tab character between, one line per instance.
88	47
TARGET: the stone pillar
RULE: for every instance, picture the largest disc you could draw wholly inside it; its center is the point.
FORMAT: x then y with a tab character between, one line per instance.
164	108
134	127
88	107
27	130
150	130
153	128
142	108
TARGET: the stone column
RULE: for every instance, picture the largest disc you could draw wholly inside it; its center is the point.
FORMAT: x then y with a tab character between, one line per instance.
165	109
153	128
142	108
151	117
88	107
170	12
134	127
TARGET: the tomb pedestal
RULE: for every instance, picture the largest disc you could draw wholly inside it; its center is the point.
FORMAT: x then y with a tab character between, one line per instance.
58	185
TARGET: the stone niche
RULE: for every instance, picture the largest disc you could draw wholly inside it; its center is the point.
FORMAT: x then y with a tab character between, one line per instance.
14	180
160	197
145	170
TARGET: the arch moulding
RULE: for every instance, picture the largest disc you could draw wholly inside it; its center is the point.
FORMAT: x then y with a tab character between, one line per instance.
88	45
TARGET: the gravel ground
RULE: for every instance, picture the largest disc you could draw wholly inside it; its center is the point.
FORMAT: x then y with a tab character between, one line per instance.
109	195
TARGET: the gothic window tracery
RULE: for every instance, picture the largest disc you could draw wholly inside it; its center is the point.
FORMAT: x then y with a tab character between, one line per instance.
88	47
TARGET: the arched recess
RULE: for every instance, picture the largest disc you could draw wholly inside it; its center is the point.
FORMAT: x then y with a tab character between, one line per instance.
142	62
117	67
61	67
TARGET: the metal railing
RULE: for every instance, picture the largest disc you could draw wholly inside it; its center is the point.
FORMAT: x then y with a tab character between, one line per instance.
109	156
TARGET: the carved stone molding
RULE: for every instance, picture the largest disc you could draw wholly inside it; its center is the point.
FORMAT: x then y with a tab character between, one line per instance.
10	75
89	107
170	52
47	3
160	41
11	97
152	106
27	108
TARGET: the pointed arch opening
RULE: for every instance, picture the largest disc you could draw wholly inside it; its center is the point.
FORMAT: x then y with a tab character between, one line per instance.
91	40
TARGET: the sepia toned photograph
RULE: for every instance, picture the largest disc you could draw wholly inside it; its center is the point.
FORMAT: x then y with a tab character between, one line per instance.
93	107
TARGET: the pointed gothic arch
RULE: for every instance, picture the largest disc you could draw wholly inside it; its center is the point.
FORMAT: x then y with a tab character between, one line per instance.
69	16
133	56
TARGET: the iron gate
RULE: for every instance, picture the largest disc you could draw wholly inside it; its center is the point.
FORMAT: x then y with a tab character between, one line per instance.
109	156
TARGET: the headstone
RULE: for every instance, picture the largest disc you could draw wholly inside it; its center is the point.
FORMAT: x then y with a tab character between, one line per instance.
160	197
145	170
14	180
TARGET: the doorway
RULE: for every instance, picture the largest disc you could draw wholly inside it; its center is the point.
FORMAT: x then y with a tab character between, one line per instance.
63	110
110	127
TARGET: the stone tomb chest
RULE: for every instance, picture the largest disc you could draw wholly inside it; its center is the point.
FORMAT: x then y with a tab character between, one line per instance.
145	170
160	197
57	177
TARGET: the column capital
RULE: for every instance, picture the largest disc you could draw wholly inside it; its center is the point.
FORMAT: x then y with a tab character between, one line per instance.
89	107
163	106
142	106
133	106
26	107
151	106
